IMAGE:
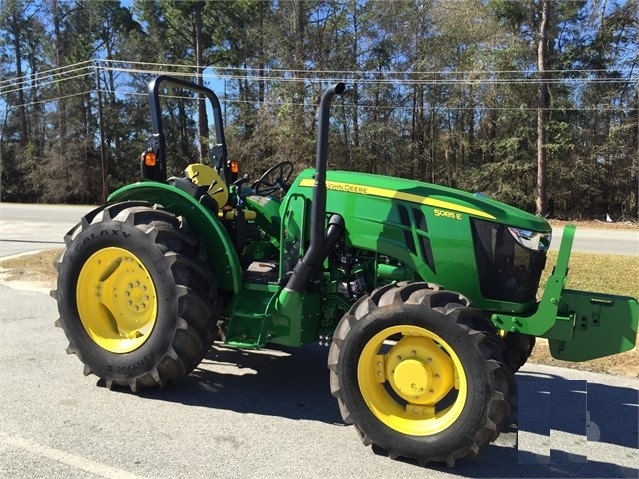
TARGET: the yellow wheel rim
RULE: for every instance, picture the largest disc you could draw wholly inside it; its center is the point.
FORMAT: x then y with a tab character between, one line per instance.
412	380
116	300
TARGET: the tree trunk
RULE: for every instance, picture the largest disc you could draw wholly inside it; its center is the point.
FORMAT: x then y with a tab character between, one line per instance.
542	110
418	133
59	53
262	55
203	128
299	31
16	27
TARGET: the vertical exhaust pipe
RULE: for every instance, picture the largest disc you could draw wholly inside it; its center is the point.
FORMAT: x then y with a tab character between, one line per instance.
320	242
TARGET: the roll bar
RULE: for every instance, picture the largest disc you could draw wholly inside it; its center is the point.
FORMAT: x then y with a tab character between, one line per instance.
157	143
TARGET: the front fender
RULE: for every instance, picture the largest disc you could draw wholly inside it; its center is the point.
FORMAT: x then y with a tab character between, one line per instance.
202	222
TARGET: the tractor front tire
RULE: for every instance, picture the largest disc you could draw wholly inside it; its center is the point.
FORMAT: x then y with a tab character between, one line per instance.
136	303
519	347
420	374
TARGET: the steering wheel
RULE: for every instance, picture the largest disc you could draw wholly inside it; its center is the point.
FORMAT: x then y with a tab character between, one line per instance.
274	179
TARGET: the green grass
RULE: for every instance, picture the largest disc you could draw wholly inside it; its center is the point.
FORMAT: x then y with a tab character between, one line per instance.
602	273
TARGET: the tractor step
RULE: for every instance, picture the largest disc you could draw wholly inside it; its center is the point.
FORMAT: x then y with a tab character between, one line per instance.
262	314
249	319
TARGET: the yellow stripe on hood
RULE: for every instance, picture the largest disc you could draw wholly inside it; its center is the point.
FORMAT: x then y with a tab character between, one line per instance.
397	195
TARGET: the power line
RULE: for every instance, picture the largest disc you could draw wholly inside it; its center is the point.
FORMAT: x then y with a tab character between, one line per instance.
52	82
85	69
50	72
373	81
479	77
373	72
360	106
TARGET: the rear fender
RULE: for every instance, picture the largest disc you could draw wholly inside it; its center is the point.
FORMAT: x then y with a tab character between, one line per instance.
202	222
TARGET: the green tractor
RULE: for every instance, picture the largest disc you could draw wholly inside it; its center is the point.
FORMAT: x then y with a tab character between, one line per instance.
425	296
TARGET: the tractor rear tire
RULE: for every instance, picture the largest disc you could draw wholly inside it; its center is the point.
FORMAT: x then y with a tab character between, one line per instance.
136	301
420	374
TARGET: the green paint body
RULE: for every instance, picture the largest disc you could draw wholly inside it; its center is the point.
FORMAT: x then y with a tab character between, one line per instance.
394	230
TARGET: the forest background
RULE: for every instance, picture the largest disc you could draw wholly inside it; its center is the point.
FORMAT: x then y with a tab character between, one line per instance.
532	102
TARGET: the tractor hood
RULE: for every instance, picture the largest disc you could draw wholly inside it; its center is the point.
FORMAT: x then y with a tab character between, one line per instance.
446	200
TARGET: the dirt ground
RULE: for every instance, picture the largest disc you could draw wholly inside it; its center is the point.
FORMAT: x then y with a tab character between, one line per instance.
624	364
36	272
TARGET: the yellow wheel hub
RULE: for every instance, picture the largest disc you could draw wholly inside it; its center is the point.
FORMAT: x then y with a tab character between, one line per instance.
412	380
412	377
116	300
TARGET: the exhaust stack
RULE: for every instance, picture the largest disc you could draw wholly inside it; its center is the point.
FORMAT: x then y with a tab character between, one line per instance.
320	241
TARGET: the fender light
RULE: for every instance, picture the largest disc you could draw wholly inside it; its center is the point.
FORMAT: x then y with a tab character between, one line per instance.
149	158
234	168
532	240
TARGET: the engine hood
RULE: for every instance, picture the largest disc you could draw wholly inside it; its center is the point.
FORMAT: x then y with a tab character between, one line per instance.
444	199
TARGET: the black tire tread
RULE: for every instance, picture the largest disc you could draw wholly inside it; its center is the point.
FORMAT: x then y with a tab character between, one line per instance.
479	328
519	347
198	306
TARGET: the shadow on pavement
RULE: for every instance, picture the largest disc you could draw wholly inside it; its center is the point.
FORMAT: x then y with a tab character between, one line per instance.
290	383
294	384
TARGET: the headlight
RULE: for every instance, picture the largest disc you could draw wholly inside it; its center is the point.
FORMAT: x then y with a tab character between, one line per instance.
532	240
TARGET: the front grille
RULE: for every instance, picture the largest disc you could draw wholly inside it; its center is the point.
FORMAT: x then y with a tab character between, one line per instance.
507	270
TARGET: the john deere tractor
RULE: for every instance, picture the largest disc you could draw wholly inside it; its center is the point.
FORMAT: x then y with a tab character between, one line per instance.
425	296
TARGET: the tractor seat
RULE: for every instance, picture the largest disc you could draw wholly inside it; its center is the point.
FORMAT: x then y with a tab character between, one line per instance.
210	183
205	176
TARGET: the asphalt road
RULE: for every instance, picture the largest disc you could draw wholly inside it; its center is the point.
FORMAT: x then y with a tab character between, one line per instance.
260	414
270	414
601	241
25	227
